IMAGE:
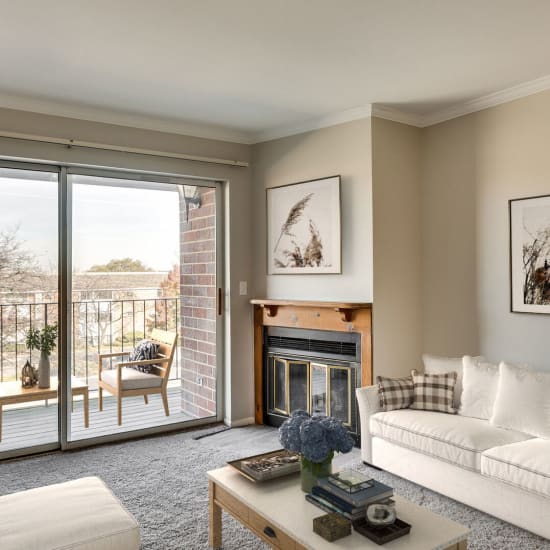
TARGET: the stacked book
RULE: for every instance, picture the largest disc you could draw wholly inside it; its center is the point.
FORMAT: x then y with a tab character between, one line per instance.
348	494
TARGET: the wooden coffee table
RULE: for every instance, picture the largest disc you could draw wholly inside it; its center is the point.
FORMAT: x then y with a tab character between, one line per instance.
12	393
277	512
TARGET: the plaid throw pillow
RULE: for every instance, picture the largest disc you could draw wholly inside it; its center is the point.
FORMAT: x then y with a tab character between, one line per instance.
434	392
395	393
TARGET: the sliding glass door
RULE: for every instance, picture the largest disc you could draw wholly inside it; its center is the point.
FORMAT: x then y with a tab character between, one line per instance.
28	305
144	273
103	262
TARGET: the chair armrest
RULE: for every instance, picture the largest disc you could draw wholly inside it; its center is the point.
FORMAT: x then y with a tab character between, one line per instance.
143	362
369	404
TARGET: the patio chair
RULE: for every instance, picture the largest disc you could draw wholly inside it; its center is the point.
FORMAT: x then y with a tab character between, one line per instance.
124	381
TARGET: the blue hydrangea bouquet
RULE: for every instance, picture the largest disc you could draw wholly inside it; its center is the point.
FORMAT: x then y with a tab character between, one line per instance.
316	438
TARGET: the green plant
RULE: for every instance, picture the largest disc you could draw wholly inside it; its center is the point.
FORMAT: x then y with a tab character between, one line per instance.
44	340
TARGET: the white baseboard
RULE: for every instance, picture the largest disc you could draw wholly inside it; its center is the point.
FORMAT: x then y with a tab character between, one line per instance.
240	422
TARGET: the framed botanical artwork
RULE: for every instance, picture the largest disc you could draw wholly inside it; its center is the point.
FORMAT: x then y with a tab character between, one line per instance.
304	227
530	254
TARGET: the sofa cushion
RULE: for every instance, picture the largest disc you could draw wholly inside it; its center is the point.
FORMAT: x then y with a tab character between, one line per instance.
523	400
456	439
479	388
524	464
131	379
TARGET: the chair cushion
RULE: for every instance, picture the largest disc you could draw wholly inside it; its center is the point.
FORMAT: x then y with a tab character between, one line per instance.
456	439
81	514
524	464
131	379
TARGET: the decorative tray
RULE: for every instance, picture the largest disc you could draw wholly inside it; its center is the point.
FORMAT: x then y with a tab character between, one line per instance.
381	535
266	466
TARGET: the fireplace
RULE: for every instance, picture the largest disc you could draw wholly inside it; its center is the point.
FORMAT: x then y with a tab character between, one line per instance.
315	351
313	370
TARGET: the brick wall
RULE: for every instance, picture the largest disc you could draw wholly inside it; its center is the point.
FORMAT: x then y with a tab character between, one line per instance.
198	308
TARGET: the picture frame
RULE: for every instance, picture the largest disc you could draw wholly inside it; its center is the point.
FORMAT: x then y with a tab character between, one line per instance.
304	228
530	254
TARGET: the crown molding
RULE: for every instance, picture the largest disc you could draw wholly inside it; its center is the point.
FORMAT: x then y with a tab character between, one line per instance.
208	131
356	113
490	100
120	118
467	107
396	115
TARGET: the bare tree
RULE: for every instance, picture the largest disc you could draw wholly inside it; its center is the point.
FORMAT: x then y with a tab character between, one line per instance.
19	269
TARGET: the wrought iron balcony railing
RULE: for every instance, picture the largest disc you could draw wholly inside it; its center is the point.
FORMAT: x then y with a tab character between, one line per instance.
98	326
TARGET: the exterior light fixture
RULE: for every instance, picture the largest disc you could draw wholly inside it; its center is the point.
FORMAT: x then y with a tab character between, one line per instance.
191	195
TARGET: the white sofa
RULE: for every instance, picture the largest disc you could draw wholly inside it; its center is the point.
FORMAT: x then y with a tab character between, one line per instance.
501	472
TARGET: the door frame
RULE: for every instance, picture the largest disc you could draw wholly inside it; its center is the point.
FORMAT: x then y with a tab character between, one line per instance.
65	298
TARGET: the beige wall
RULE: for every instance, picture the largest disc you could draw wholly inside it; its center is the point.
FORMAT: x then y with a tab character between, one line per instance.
239	400
344	149
472	166
449	233
397	316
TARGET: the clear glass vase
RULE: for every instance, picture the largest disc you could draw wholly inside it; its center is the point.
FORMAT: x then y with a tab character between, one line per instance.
310	471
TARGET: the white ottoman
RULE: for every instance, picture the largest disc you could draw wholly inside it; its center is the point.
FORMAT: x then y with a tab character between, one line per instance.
81	514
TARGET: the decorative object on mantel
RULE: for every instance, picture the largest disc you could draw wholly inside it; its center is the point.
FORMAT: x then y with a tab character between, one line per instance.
303	227
267	466
316	438
530	254
29	375
332	527
45	341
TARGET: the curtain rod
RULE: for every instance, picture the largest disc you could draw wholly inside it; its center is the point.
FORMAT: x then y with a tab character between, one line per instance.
135	150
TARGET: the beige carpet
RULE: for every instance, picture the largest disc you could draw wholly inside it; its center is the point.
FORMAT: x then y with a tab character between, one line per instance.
162	481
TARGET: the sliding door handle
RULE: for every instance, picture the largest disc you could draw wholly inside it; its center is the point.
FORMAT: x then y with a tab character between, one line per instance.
220	302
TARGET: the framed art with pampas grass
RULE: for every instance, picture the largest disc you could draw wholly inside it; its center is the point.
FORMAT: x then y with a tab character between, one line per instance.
304	228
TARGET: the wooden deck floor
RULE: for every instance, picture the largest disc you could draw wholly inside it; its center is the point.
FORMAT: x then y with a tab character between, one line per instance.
36	423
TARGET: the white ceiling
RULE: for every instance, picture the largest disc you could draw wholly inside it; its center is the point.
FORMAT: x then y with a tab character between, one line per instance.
248	70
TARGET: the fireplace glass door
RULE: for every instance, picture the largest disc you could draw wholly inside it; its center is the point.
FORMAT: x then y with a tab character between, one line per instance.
318	388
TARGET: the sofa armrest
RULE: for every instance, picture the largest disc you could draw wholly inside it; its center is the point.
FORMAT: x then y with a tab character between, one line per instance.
369	404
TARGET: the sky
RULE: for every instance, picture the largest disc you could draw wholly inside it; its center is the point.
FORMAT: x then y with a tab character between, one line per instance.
108	222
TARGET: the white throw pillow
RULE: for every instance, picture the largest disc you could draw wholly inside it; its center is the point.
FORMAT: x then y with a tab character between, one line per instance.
523	401
442	365
479	388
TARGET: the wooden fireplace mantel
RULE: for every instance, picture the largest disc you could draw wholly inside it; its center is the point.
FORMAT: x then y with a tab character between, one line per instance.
338	316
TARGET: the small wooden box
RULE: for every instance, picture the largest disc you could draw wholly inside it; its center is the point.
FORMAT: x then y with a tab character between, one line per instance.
332	527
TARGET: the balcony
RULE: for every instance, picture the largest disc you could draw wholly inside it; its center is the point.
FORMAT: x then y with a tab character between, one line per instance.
99	326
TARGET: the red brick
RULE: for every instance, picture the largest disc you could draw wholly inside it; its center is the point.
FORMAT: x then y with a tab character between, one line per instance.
202	212
198	246
191	344
206	348
208	198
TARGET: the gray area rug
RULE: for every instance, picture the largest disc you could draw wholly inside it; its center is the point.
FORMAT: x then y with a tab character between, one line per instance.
162	481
